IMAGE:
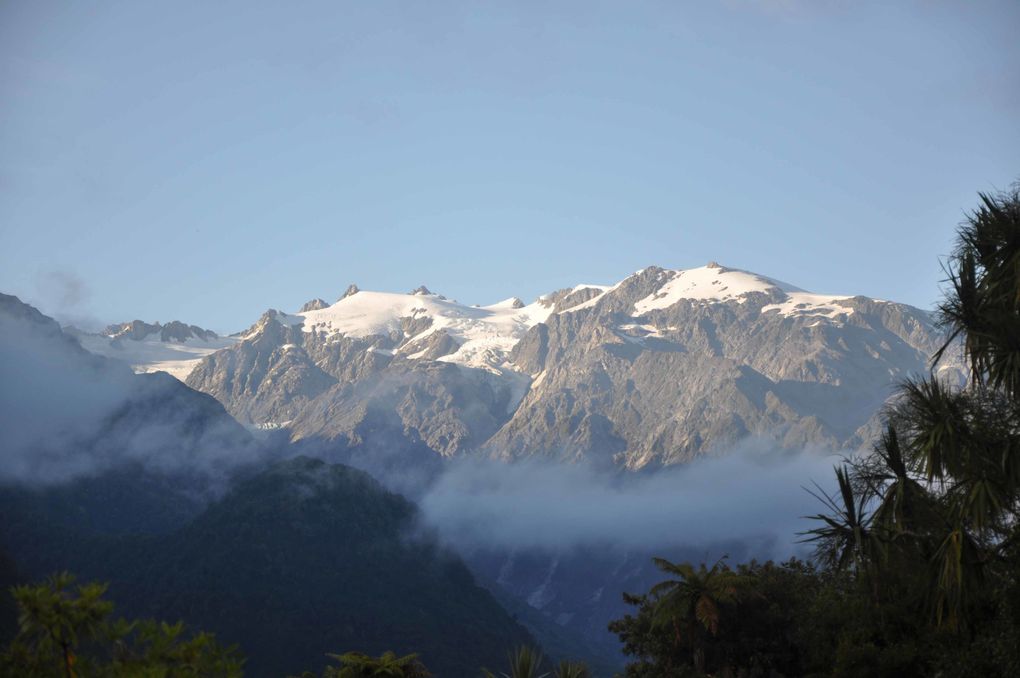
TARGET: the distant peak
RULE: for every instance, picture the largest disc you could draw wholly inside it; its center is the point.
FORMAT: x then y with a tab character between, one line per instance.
421	291
712	264
135	329
512	302
175	330
314	305
351	290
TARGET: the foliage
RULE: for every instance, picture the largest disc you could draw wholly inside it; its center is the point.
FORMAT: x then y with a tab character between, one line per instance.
360	665
571	669
293	561
525	662
66	630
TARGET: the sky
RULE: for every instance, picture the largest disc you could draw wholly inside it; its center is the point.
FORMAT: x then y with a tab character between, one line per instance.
206	161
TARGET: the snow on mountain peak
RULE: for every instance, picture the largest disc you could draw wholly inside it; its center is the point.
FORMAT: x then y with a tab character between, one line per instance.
174	347
512	302
485	334
716	283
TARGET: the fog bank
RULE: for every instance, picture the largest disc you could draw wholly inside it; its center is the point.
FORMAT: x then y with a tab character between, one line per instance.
753	494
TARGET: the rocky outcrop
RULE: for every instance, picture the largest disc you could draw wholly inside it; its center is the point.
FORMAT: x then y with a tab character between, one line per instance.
313	305
173	331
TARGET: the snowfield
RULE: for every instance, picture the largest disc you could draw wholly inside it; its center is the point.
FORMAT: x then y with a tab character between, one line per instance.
152	355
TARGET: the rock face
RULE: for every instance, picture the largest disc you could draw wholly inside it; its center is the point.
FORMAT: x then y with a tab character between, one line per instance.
356	389
173	331
652	371
314	305
661	386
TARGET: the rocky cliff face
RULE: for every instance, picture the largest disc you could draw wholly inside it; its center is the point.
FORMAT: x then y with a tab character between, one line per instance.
655	370
642	386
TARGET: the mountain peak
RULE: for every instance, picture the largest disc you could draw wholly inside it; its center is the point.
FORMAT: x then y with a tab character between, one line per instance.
173	331
352	289
421	291
313	305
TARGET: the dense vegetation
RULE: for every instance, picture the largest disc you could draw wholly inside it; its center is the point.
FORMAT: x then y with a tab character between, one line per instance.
69	631
917	566
66	630
294	562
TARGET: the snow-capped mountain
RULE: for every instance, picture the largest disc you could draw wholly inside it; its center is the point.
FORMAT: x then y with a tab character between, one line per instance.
154	347
423	325
655	369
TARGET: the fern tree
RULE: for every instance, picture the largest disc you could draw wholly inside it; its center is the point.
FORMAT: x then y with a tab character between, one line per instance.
692	601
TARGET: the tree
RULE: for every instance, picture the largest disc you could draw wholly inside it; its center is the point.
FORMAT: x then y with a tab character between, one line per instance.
360	665
782	625
933	514
525	662
844	540
66	630
571	669
53	620
692	602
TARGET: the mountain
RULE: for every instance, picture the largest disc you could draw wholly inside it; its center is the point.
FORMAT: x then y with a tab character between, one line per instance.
68	413
174	347
654	370
298	560
110	473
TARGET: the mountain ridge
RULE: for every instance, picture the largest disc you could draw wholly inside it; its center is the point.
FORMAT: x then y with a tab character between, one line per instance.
657	369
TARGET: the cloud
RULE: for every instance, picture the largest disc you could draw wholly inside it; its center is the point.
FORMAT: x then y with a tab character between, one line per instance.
65	296
63	290
753	495
66	413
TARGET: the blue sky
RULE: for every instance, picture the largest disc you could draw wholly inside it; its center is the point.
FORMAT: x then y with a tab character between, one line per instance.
205	161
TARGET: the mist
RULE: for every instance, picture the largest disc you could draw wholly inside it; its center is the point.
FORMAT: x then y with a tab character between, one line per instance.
754	494
66	413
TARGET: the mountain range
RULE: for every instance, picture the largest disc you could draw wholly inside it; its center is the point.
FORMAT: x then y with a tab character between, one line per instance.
657	369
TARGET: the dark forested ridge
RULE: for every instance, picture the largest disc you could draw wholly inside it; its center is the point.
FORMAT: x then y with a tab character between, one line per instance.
302	559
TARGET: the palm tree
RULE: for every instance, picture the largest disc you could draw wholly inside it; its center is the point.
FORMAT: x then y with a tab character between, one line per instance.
569	669
845	540
693	600
525	662
983	303
946	477
905	509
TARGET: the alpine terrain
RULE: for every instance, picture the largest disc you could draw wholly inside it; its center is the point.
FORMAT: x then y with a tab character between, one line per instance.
654	370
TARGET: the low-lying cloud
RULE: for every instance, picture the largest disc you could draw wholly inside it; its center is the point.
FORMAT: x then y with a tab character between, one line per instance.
754	495
65	413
